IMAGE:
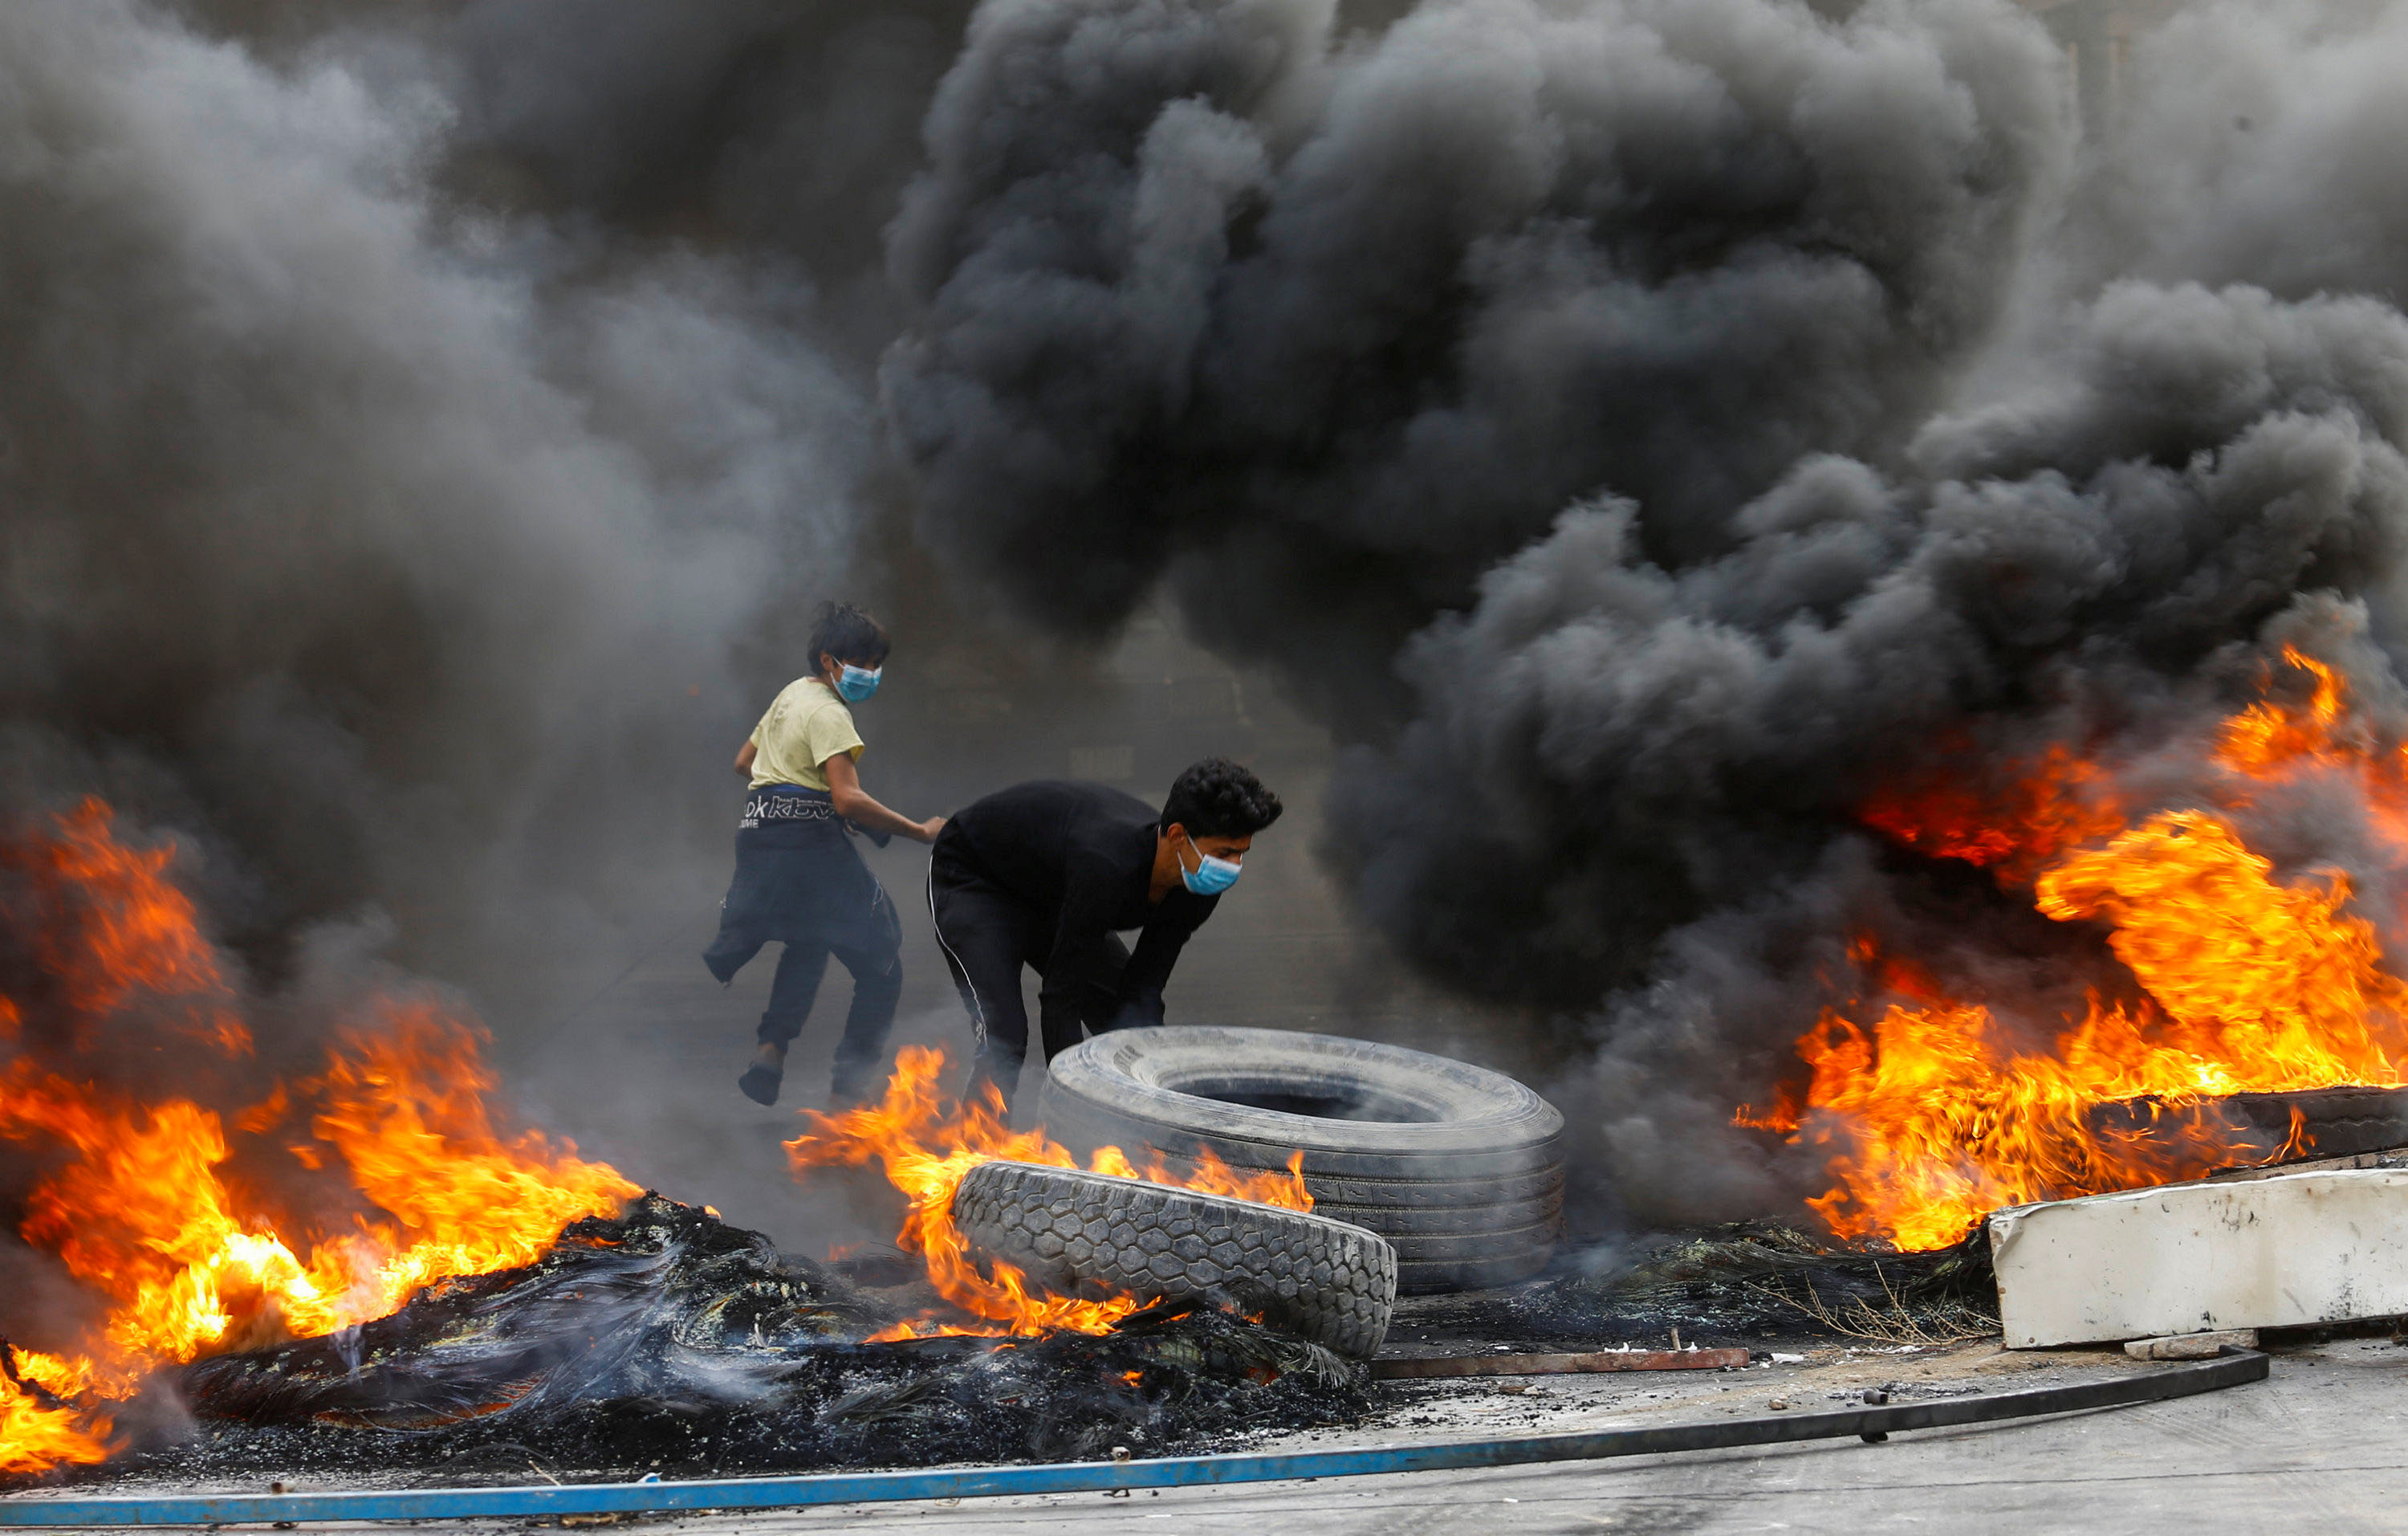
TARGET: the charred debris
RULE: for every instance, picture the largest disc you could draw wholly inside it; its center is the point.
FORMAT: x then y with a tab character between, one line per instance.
666	1339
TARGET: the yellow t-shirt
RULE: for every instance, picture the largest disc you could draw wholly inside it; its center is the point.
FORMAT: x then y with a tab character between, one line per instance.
807	725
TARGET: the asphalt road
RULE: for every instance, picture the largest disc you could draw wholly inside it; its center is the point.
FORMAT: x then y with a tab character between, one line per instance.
2319	1447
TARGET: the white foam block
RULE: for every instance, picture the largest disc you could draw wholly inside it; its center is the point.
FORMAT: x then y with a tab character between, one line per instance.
2284	1252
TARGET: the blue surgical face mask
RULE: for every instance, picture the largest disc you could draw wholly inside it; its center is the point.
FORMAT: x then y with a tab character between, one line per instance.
857	682
1211	876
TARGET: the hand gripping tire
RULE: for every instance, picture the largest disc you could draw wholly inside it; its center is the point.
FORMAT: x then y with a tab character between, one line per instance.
1091	1234
1459	1168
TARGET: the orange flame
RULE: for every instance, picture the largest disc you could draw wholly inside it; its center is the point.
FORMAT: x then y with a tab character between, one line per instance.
141	1212
143	1217
2053	803
36	1434
35	1438
2267	735
113	927
406	1110
1940	1111
927	1143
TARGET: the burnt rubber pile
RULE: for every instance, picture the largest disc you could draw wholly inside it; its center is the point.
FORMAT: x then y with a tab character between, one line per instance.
668	1339
1756	1283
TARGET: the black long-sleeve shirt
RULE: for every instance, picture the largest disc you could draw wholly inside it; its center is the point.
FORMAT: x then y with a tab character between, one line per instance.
1078	858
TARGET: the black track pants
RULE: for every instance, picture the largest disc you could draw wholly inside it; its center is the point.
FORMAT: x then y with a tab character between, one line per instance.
987	937
877	987
800	882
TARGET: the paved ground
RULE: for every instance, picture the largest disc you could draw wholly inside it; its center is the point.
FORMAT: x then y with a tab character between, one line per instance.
2322	1445
2319	1447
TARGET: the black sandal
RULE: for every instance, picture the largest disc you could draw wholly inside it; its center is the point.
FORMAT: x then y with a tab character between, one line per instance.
760	1083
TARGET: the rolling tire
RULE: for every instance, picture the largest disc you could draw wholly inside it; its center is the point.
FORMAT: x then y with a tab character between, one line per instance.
1459	1168
1092	1234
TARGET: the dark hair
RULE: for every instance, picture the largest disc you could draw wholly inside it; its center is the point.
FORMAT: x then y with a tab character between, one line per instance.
848	633
1217	798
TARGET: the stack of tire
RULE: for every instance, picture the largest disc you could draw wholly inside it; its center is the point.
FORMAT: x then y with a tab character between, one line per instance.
1459	1168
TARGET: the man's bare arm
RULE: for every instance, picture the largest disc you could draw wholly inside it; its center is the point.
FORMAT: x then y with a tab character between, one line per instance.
854	805
744	756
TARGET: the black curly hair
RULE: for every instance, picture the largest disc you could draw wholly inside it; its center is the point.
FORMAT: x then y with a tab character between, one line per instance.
848	633
1217	798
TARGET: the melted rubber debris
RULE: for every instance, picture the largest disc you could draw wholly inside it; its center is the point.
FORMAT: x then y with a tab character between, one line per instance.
667	1340
1747	1283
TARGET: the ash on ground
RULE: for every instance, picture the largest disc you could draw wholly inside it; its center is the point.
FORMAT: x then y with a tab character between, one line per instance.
666	1339
1755	1283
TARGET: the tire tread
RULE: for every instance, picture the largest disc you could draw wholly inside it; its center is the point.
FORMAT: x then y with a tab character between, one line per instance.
1320	1279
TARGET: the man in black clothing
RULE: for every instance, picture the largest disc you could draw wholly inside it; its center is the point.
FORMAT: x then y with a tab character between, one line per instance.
1044	874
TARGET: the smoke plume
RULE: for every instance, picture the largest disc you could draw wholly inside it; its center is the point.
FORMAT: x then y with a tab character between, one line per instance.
1321	331
1654	429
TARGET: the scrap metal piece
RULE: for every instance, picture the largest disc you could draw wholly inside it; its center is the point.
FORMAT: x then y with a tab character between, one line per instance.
1560	1364
2292	1250
2192	1346
1875	1397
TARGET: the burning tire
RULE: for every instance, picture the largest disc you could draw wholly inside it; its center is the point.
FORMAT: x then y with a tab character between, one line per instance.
2330	1122
2313	1121
1459	1168
1092	1234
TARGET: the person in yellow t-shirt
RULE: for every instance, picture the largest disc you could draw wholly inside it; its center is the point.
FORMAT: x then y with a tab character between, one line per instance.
799	879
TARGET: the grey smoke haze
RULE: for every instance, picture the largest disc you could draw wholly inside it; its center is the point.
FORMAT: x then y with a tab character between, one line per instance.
2255	149
397	538
421	431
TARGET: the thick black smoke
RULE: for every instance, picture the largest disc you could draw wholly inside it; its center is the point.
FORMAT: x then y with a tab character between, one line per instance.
2110	556
425	432
1324	331
1628	745
1656	428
